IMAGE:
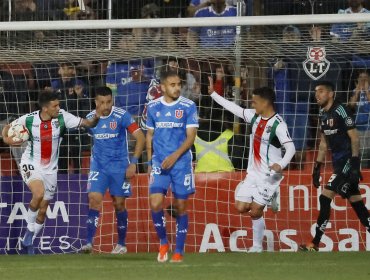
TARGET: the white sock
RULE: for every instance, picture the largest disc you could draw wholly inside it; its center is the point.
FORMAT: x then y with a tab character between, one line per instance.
38	228
31	219
258	231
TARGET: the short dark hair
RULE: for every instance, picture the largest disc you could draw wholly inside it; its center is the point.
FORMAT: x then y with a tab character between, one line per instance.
168	73
328	85
103	91
45	97
265	93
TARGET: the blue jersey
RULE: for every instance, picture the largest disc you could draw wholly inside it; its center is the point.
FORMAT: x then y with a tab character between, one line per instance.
110	139
216	36
170	122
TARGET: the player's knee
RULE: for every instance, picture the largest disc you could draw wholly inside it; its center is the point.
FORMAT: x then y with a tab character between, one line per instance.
95	202
180	208
156	202
256	213
119	205
241	207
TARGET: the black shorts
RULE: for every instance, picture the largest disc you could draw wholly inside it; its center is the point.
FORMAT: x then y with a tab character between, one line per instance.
341	185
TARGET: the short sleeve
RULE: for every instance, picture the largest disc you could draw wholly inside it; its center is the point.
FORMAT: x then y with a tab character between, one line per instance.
129	123
21	120
71	121
282	133
149	120
192	117
345	118
248	115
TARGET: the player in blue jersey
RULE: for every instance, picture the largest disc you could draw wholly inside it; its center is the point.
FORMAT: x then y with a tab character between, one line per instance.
172	126
110	165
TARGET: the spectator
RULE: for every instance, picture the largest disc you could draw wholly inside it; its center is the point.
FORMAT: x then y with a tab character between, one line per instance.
213	37
196	5
158	37
291	34
131	95
75	10
73	96
351	31
360	102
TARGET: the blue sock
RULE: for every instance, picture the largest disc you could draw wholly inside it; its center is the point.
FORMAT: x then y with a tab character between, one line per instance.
92	224
181	231
122	227
159	222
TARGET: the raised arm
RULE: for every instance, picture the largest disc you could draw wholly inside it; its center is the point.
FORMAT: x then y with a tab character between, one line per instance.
228	105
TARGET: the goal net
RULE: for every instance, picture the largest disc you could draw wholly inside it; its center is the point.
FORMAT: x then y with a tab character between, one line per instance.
75	57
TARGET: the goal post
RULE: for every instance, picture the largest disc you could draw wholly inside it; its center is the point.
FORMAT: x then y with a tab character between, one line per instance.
287	53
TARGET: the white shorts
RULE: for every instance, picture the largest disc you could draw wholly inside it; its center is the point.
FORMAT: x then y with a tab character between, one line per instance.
258	188
30	173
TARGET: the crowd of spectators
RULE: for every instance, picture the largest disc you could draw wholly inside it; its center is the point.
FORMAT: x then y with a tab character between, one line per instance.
135	82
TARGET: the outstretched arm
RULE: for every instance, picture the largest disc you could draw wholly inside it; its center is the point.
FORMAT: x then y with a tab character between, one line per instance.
228	105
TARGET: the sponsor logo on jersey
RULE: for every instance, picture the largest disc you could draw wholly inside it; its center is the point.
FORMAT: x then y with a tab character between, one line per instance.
113	125
179	114
168	124
330	131
104	126
168	114
105	135
316	65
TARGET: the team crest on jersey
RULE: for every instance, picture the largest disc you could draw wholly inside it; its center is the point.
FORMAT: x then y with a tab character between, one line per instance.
316	65
56	124
179	114
113	125
268	129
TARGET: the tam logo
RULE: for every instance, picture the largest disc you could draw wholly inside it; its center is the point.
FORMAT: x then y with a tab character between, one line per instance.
316	65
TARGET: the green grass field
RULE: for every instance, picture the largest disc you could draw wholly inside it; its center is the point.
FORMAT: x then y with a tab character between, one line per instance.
212	266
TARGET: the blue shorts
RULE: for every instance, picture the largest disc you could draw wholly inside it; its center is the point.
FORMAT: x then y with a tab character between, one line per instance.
180	177
101	179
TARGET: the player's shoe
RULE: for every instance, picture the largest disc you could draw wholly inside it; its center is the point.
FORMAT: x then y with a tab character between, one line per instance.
177	258
27	242
255	249
275	203
163	253
119	250
86	249
308	248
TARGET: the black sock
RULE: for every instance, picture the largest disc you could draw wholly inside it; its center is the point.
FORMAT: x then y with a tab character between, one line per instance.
362	213
323	218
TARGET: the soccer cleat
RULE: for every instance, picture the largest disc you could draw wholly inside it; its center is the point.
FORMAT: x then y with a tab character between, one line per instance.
177	258
308	248
255	249
27	242
163	253
119	250
275	203
86	249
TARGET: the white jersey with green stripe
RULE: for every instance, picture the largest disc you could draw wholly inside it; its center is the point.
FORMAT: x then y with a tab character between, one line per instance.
267	138
45	137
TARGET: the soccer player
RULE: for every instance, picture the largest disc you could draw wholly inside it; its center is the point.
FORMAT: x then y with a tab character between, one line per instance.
266	163
172	123
39	163
338	132
110	165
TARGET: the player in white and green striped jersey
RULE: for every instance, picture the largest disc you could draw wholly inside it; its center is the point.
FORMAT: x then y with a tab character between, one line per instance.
39	163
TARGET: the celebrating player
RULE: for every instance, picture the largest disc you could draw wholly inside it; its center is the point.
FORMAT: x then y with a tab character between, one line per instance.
39	162
339	133
172	126
110	165
265	166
